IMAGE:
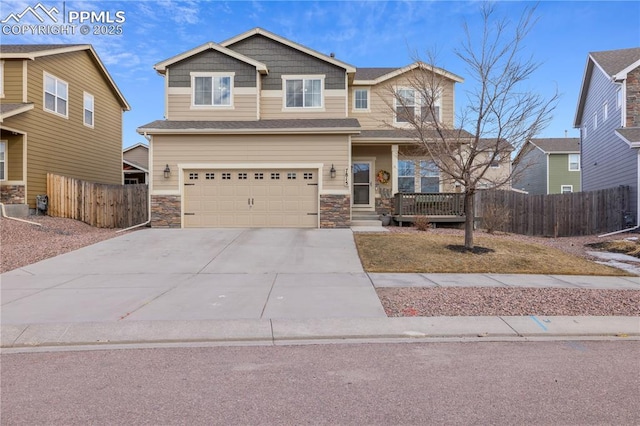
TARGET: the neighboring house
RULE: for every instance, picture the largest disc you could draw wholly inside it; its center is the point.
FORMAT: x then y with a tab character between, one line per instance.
262	131
135	164
61	113
499	171
548	166
608	115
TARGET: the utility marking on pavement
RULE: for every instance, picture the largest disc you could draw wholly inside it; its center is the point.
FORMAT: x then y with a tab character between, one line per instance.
537	321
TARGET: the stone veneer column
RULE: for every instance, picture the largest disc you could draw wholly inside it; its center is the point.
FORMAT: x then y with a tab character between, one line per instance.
384	205
335	211
12	194
165	211
633	98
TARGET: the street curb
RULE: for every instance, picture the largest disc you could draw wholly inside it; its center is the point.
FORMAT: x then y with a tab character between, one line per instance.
274	331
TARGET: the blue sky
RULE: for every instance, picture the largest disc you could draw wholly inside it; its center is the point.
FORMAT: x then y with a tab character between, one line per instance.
364	34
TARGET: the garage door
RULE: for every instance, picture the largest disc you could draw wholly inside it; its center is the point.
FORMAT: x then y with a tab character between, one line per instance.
251	198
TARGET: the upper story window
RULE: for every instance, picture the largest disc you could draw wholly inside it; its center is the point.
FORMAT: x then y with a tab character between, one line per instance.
88	109
212	89
494	158
574	162
361	99
56	95
595	120
619	98
303	92
605	111
409	103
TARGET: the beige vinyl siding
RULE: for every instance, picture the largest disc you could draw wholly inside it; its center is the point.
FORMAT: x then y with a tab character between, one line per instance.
138	155
179	108
14	156
381	113
12	81
382	155
66	146
245	149
272	106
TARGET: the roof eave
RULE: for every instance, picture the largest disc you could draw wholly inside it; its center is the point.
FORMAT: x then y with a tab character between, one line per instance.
137	166
25	108
332	130
406	69
632	144
622	75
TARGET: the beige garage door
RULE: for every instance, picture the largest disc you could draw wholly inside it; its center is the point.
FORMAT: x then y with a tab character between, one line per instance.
250	198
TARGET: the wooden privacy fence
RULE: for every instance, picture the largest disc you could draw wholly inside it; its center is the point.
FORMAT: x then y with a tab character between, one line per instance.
557	215
99	205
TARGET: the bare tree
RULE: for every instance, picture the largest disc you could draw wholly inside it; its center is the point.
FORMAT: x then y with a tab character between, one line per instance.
501	113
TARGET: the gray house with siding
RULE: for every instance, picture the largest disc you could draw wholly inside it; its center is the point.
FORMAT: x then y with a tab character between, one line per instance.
548	166
608	116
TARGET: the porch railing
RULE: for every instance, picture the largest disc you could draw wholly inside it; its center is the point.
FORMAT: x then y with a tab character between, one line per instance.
428	204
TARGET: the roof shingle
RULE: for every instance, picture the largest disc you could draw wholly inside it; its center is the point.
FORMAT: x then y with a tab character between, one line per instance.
614	61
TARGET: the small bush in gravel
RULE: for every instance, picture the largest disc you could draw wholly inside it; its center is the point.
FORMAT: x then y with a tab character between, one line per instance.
422	223
495	218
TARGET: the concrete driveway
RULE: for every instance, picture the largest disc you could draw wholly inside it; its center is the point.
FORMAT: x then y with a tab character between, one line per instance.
196	274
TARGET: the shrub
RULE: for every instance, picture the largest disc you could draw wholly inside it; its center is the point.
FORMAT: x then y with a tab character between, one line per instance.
495	217
422	223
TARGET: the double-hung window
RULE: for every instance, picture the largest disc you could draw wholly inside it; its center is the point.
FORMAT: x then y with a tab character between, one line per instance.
303	92
430	111
212	89
494	159
361	99
418	176
574	162
88	109
405	101
56	95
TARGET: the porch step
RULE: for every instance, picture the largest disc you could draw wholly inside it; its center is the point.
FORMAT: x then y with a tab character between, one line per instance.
365	216
366	222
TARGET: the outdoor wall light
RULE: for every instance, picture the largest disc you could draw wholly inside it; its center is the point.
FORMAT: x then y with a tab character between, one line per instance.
332	172
167	172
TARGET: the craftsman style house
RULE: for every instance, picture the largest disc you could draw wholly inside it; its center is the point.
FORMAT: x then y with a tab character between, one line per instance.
262	131
548	166
608	116
61	113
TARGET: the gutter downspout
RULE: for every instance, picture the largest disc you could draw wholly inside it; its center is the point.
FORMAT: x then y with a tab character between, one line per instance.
148	138
4	214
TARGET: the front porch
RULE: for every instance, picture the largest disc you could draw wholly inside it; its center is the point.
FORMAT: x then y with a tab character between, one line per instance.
438	207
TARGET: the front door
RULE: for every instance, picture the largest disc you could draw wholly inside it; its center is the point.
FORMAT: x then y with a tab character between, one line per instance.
362	196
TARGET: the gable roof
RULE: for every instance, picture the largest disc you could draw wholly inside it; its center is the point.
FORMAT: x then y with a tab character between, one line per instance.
33	51
630	135
558	145
10	109
161	67
615	64
373	76
261	31
139	144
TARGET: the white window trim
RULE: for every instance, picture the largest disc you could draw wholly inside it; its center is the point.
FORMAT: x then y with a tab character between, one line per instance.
584	131
417	104
417	177
605	111
595	120
93	111
303	77
619	98
195	74
497	160
44	95
569	161
562	187
3	177
368	108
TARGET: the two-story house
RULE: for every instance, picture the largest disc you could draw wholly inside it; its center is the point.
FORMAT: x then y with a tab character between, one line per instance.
608	116
135	164
548	166
61	112
262	131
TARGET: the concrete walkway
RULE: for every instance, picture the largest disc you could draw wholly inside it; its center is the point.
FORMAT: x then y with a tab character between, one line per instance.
260	286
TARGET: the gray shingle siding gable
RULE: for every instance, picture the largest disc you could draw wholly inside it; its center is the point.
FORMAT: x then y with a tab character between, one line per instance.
531	172
607	161
281	60
211	61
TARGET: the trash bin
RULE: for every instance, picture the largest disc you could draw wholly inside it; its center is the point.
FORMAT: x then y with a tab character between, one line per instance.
42	203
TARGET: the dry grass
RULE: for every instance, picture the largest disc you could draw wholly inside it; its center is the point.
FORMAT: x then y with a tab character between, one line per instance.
428	253
631	248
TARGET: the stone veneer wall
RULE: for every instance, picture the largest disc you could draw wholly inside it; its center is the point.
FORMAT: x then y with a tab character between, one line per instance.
335	211
633	98
165	211
12	194
384	205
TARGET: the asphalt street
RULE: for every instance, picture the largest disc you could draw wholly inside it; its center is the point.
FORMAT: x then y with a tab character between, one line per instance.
544	383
